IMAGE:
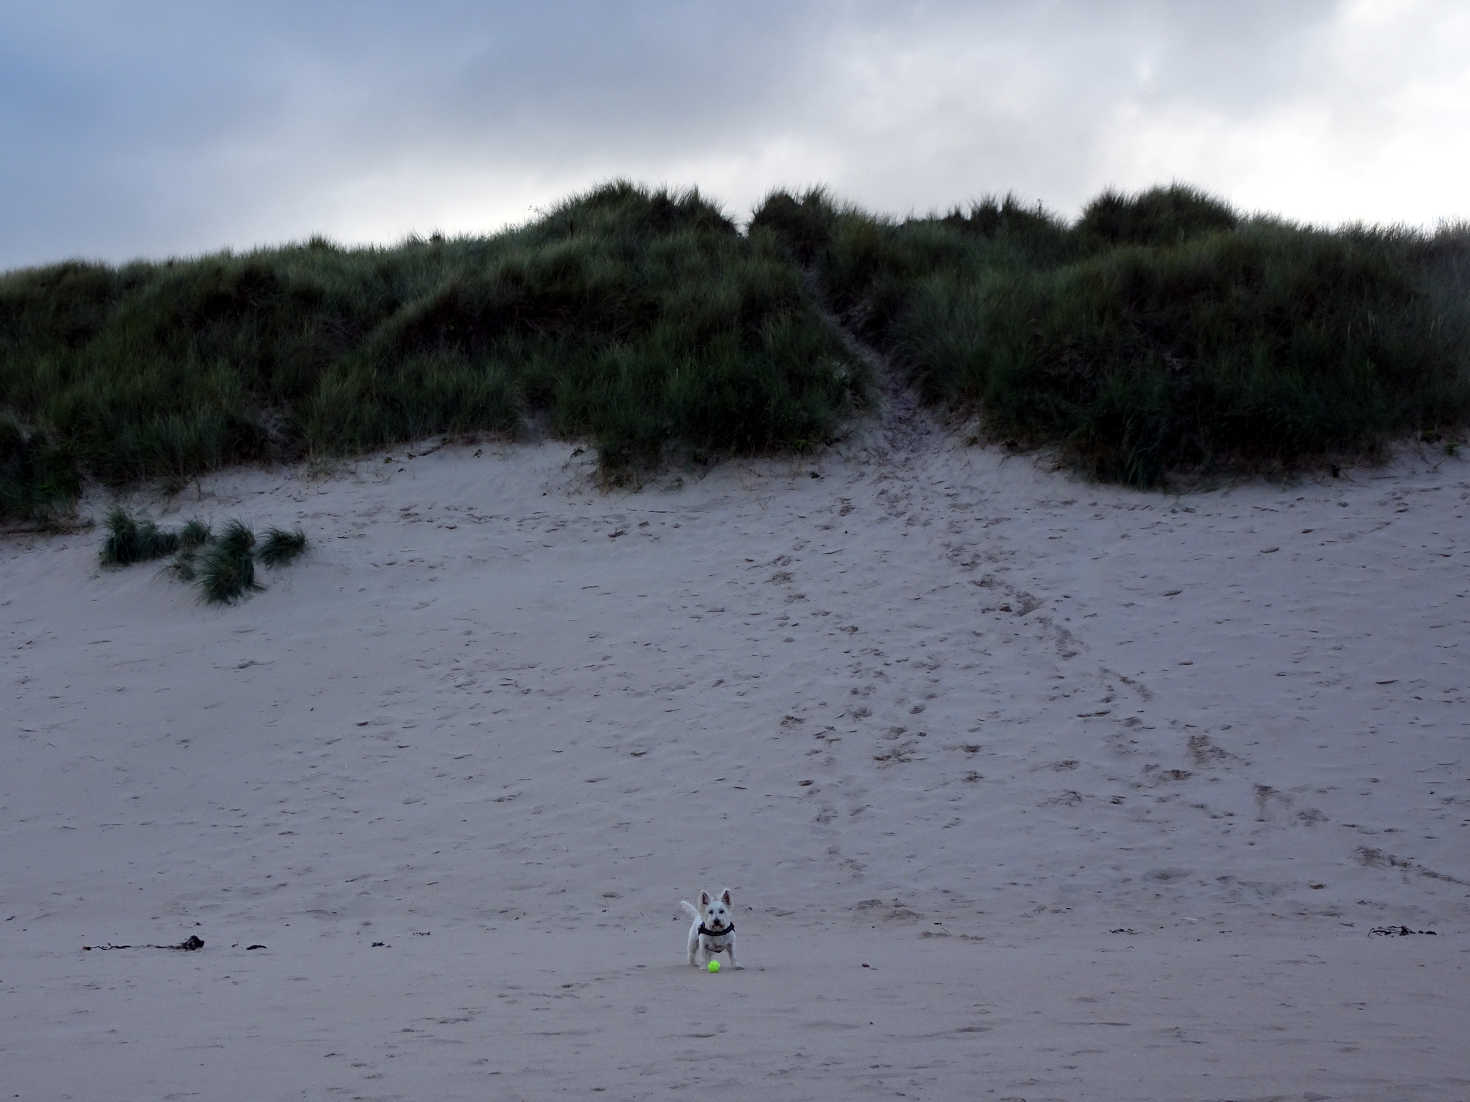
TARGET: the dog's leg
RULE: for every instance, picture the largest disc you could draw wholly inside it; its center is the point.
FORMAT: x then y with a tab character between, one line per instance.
730	944
693	913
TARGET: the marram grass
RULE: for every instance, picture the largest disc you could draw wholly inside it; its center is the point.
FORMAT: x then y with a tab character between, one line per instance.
281	547
1159	332
226	566
130	540
221	566
1161	335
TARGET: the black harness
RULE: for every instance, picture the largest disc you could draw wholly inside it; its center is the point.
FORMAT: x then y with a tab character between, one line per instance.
730	929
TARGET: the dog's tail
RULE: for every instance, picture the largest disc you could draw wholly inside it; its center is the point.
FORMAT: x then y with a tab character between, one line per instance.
690	908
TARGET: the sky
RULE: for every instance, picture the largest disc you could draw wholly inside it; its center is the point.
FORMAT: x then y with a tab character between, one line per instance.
139	128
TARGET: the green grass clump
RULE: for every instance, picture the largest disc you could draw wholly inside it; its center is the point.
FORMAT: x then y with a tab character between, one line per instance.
1159	216
192	538
130	540
222	566
803	225
226	566
194	534
282	547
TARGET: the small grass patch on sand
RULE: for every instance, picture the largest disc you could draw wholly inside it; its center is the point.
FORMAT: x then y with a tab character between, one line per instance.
223	566
281	547
227	566
130	540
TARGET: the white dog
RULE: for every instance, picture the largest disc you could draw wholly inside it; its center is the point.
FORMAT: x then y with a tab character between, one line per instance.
713	931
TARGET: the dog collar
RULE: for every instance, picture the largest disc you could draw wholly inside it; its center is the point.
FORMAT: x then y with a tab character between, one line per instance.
730	929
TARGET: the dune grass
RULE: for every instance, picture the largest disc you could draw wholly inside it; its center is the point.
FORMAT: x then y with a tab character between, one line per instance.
1162	334
222	566
37	475
192	538
226	566
632	318
1158	333
130	540
281	547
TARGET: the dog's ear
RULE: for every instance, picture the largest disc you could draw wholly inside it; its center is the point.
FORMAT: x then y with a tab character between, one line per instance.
703	899
725	897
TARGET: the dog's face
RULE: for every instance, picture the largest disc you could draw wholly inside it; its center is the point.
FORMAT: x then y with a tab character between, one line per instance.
716	911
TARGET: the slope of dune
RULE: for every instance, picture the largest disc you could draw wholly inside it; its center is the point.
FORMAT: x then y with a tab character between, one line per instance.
1025	787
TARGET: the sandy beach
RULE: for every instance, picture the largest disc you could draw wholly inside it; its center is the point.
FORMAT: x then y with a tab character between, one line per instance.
1026	788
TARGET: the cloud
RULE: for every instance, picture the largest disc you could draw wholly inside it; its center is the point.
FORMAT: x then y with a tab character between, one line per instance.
151	129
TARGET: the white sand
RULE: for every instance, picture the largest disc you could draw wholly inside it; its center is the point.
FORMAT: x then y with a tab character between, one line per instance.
1025	788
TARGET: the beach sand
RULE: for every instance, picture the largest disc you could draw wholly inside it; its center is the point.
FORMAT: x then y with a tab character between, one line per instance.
1025	788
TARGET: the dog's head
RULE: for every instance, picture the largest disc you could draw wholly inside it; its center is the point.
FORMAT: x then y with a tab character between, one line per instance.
716	911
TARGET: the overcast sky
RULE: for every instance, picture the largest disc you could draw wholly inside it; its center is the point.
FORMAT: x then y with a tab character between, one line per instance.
143	128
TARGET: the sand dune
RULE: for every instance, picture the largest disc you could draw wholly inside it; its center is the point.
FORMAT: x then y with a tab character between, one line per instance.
1025	788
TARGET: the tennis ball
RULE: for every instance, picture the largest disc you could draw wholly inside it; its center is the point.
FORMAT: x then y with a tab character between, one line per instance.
714	966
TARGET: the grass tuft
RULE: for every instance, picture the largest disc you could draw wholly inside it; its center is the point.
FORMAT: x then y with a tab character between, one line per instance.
185	567
223	566
282	547
131	541
192	538
193	535
803	225
1159	216
226	567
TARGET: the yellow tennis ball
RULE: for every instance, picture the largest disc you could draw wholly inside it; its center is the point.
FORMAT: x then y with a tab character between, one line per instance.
714	966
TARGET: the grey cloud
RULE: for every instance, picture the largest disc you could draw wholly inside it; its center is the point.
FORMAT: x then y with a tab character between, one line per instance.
149	128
